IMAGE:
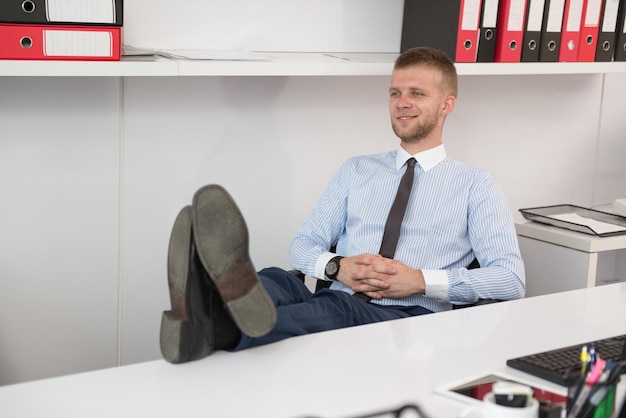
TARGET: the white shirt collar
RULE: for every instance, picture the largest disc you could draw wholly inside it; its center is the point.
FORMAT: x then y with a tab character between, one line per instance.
426	159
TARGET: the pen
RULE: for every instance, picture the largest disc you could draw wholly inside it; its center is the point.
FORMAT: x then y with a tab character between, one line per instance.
595	399
592	378
584	359
592	355
602	396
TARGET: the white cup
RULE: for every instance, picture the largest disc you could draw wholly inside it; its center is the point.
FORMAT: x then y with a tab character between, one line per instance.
492	410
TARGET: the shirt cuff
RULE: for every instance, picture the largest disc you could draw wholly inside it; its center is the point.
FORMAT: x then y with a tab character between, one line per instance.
320	266
437	284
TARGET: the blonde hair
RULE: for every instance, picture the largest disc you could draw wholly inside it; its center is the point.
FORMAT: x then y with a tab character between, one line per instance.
432	58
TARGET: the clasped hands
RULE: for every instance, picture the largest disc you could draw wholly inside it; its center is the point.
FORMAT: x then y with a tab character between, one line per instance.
379	277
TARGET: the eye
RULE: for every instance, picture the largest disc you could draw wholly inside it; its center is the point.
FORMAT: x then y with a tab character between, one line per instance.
415	93
394	93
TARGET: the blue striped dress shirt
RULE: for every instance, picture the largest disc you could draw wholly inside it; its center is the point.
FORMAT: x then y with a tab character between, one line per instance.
456	213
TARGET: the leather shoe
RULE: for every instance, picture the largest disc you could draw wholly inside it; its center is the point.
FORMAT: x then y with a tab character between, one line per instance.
221	239
198	322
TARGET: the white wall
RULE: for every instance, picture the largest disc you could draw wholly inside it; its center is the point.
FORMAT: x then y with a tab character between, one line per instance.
59	229
271	25
90	191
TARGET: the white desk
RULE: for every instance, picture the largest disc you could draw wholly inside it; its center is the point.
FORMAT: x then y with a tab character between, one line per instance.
361	369
558	259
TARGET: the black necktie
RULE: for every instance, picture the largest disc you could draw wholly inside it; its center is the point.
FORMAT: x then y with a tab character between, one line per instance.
396	214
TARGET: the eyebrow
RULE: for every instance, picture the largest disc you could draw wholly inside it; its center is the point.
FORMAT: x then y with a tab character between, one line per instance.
411	89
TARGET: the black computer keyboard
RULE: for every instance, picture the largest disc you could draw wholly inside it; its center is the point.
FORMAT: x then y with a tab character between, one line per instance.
562	365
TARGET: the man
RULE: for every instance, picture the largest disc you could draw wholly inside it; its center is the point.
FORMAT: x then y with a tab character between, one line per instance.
453	216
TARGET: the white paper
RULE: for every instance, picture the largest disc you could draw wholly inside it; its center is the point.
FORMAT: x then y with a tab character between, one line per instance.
598	227
209	55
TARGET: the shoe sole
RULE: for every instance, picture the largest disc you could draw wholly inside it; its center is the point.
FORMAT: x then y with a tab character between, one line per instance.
221	238
178	333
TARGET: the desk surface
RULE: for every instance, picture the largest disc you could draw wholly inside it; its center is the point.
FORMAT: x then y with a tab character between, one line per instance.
359	370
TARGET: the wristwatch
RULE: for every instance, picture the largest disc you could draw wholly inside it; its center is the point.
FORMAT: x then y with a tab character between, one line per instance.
332	267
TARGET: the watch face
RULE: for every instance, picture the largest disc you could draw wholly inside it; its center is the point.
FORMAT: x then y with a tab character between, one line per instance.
331	268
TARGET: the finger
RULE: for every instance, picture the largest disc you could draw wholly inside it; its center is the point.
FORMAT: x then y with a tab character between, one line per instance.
374	295
365	259
373	274
369	285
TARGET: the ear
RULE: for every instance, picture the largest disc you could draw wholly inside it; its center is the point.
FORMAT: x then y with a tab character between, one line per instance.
447	105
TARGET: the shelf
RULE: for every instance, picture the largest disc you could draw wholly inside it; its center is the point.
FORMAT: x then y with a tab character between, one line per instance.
124	68
282	64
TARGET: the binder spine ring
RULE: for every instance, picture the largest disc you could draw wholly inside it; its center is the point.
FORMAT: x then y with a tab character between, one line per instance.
513	45
467	44
606	46
26	42
589	40
489	34
551	46
532	45
28	6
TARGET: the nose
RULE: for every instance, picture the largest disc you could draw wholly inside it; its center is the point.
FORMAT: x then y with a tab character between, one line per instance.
402	101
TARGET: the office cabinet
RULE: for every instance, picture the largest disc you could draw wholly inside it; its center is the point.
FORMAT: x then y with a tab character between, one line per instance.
558	260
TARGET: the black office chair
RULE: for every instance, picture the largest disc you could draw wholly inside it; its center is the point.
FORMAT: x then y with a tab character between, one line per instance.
325	284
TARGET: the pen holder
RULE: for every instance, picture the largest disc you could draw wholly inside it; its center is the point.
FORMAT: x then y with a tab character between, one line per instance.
593	403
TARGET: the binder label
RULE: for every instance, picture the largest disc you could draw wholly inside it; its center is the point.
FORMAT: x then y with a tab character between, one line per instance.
575	15
88	11
516	16
535	15
471	12
490	14
610	16
593	12
555	16
72	43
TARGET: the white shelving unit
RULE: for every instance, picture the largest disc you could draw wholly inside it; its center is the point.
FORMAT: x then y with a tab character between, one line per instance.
282	64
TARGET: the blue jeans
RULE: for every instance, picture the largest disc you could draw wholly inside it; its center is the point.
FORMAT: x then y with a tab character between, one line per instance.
301	312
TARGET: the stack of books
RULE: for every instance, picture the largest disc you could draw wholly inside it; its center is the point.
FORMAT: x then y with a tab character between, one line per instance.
61	30
518	30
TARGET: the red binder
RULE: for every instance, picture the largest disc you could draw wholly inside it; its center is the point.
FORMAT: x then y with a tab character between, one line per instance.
46	42
589	26
511	23
570	33
468	32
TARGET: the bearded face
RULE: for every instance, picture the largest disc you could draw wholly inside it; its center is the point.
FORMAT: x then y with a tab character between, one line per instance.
416	104
413	128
